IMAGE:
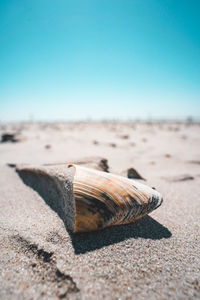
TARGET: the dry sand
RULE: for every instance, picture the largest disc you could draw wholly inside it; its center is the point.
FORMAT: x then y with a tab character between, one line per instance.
157	257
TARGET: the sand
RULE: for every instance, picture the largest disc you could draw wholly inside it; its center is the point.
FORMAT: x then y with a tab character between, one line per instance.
157	257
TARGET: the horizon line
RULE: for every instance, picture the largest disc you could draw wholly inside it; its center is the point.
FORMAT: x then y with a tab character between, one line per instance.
188	119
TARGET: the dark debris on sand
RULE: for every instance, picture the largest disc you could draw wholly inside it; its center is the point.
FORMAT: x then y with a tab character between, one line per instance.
9	137
133	174
103	165
179	178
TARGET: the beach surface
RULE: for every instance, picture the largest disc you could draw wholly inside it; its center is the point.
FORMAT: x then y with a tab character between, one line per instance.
156	257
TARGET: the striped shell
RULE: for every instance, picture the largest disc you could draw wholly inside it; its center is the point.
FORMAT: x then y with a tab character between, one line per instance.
104	199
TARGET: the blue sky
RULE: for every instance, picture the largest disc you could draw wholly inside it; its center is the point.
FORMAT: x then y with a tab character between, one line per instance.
75	59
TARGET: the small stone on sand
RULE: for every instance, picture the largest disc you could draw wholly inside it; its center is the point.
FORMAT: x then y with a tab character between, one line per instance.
133	174
103	165
9	137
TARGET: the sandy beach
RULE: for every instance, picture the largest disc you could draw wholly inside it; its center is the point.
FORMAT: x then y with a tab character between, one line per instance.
156	257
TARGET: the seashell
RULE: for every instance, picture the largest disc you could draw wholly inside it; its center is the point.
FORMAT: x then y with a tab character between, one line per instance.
90	199
104	199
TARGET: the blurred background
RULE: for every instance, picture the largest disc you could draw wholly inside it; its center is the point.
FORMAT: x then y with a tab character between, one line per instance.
93	60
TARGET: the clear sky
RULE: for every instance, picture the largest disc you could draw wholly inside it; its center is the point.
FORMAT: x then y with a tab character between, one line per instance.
78	59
